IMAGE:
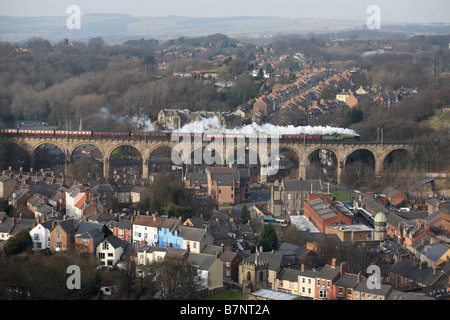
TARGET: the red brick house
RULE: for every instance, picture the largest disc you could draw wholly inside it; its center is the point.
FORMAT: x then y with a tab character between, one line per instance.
122	229
413	233
62	235
325	281
394	196
322	212
89	235
231	261
228	185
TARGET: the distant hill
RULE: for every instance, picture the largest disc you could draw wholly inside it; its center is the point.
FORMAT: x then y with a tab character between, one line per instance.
118	28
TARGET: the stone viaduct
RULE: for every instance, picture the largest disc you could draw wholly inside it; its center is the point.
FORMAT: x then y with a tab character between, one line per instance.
342	150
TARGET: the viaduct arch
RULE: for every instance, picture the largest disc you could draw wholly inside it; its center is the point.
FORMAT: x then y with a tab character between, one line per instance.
106	146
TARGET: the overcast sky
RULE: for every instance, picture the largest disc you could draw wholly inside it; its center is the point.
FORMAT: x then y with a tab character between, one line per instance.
391	10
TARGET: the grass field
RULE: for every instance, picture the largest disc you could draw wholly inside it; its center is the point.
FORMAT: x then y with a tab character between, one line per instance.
226	295
341	196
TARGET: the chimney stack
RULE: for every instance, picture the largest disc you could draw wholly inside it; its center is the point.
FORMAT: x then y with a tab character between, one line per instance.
436	268
422	264
343	268
333	263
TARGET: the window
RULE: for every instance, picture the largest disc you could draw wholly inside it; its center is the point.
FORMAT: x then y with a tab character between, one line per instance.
309	290
318	282
110	254
328	283
291	284
322	293
178	242
86	242
303	280
58	235
162	239
101	255
280	283
105	245
309	281
36	237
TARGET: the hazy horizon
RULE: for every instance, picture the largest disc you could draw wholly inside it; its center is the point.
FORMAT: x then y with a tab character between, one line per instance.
399	11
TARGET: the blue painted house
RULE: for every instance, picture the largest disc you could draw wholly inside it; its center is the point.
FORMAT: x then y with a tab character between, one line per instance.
169	234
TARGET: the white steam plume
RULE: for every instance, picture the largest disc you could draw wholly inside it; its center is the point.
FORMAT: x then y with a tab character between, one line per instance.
213	125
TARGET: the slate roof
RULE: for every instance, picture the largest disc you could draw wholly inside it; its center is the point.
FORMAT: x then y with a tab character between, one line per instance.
91	234
288	274
69	226
299	251
424	276
171	224
198	222
191	234
202	261
324	208
301	185
374	206
114	241
87	226
390	191
435	251
276	261
122	223
399	295
328	272
363	287
196	178
228	256
347	280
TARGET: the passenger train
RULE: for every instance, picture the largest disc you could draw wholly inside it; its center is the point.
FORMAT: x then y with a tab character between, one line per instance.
162	135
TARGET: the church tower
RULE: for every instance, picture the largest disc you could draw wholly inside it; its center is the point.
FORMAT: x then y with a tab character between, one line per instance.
254	275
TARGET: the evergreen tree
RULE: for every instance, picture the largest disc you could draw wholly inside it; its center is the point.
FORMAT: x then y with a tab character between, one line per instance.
245	214
268	239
